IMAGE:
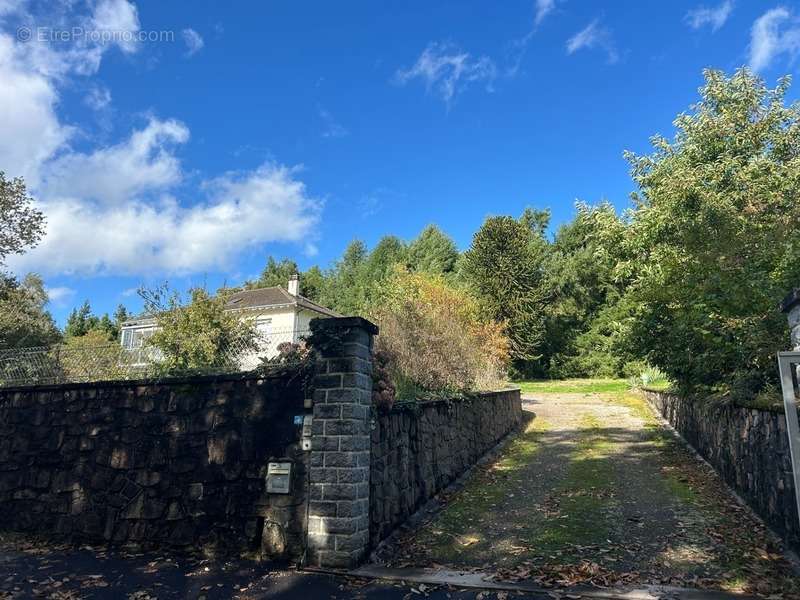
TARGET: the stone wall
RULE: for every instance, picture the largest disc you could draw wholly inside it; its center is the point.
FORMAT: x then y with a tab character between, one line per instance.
183	462
178	463
748	447
418	450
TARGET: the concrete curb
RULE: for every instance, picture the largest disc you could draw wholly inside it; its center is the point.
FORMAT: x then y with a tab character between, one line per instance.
483	581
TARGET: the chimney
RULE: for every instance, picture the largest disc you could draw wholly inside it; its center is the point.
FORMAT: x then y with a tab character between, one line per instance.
294	285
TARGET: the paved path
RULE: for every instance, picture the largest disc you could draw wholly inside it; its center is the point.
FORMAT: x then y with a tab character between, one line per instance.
33	569
596	491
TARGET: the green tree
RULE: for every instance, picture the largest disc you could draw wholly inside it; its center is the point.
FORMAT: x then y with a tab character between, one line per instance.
82	321
121	315
432	251
346	291
199	335
715	230
387	253
21	225
505	267
536	220
277	273
24	321
312	283
582	282
23	318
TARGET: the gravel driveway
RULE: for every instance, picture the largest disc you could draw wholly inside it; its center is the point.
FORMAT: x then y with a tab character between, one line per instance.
595	490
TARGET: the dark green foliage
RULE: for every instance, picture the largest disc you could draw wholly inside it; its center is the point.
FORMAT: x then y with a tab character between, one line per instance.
715	228
353	283
346	287
389	251
24	322
82	322
21	225
276	273
121	315
433	252
583	285
198	335
597	349
312	283
505	266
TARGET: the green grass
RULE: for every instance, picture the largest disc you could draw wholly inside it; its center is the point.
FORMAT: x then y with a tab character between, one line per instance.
573	386
585	494
466	529
659	386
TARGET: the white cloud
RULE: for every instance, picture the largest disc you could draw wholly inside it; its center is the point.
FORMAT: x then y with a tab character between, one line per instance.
117	17
59	295
370	205
516	49
32	72
113	208
332	129
594	36
31	130
8	6
242	211
775	32
194	42
98	98
115	174
715	17
543	8
447	70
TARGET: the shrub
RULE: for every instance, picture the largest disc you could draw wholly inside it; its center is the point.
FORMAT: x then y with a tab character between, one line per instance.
646	376
433	339
383	389
196	336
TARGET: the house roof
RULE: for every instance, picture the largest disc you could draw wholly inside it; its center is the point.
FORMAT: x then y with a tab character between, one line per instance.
273	296
268	297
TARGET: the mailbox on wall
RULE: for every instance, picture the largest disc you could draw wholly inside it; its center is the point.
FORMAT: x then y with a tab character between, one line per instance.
279	477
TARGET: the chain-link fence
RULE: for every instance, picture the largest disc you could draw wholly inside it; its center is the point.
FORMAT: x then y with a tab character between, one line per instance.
64	363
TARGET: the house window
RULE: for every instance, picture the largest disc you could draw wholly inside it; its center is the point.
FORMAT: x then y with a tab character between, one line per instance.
135	338
264	327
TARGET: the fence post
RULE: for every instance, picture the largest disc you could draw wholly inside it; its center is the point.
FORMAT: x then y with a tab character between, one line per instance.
791	306
338	525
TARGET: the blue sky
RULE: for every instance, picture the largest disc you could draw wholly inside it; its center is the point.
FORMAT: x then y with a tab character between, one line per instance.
187	141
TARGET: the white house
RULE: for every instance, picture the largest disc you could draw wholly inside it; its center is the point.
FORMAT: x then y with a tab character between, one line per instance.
281	315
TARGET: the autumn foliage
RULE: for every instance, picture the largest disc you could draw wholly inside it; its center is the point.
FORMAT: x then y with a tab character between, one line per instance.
434	339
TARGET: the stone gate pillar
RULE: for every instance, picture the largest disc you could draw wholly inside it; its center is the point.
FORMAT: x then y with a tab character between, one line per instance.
338	522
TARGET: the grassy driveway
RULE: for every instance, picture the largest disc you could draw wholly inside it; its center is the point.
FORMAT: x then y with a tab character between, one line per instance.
594	490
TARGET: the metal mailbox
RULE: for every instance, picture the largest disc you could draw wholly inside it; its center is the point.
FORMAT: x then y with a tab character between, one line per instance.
279	477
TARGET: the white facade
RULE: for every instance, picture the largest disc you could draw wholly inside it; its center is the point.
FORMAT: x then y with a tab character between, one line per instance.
280	315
